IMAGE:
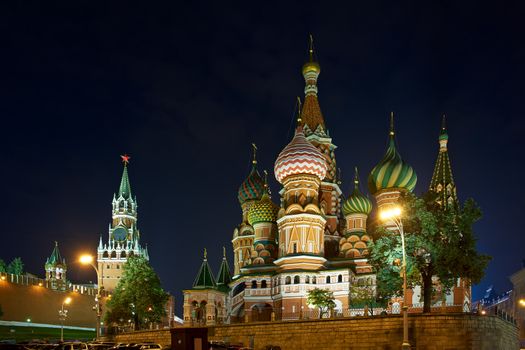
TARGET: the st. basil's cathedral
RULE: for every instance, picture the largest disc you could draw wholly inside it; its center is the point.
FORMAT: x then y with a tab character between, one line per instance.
314	238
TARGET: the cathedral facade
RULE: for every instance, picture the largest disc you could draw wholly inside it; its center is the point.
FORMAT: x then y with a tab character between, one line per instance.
316	237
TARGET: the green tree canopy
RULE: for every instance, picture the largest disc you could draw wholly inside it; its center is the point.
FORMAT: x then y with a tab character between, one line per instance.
3	266
439	243
138	295
323	299
15	267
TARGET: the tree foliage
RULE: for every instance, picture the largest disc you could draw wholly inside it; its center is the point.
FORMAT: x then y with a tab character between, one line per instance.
15	267
138	296
323	299
439	243
363	296
3	266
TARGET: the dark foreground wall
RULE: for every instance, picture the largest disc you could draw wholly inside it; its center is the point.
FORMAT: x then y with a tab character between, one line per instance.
427	332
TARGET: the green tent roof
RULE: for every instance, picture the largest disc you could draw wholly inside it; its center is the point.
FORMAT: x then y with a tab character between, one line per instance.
125	188
204	279
55	257
224	277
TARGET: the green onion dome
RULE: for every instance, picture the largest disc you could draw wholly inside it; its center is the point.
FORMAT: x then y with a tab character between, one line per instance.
253	187
357	203
392	171
263	210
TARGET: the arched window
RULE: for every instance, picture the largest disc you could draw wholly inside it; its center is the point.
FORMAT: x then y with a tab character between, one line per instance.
327	279
314	280
339	278
288	280
113	255
122	254
296	280
295	248
263	284
307	279
254	284
106	254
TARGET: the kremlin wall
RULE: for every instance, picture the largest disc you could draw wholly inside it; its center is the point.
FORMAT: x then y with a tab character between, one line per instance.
23	298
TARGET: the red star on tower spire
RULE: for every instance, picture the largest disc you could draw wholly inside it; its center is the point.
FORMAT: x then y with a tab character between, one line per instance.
125	159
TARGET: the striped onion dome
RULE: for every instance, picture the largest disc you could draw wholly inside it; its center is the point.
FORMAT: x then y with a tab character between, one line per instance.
252	188
392	171
300	157
263	210
357	203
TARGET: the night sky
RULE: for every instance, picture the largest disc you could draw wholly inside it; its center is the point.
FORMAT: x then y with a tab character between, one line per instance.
185	89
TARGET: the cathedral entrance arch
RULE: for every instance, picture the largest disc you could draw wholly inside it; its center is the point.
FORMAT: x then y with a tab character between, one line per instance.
261	312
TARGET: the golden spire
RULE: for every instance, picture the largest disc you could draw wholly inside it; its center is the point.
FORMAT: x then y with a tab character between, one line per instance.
356	176
311	48
205	254
254	152
392	124
298	109
224	252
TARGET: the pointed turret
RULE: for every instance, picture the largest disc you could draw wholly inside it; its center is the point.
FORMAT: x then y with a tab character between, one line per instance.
224	276
311	114
125	188
56	270
442	180
55	257
204	279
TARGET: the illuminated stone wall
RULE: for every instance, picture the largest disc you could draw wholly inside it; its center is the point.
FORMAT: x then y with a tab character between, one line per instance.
20	302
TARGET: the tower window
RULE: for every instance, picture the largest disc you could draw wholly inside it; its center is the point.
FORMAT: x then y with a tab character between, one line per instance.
295	248
108	267
340	278
263	284
254	284
288	280
296	280
328	280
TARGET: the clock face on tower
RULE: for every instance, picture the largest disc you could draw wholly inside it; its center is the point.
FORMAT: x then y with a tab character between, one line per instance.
120	234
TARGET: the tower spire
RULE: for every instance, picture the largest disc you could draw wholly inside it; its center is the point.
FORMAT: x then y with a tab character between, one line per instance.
125	187
311	111
254	152
311	48
442	181
392	132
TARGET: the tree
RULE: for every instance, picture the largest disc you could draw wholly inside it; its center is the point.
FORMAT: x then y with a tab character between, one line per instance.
362	296
16	267
439	243
3	267
138	295
322	299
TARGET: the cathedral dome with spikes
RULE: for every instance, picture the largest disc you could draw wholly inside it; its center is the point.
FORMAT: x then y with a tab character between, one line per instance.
252	187
300	157
357	203
263	210
392	171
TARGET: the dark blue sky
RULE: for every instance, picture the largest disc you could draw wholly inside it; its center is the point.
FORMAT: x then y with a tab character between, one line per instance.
185	89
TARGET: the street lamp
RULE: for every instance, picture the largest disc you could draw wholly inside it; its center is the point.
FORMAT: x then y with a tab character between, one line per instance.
62	315
394	215
89	260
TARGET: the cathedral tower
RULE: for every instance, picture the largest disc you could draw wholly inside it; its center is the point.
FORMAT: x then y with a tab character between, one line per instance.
300	168
315	130
123	237
262	216
442	180
56	269
250	191
392	176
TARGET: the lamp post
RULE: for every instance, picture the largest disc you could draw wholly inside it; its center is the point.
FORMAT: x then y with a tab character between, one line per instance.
88	260
62	315
394	215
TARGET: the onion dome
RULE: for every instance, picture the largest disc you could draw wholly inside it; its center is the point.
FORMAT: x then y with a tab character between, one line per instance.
300	157
252	188
357	203
392	171
263	210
